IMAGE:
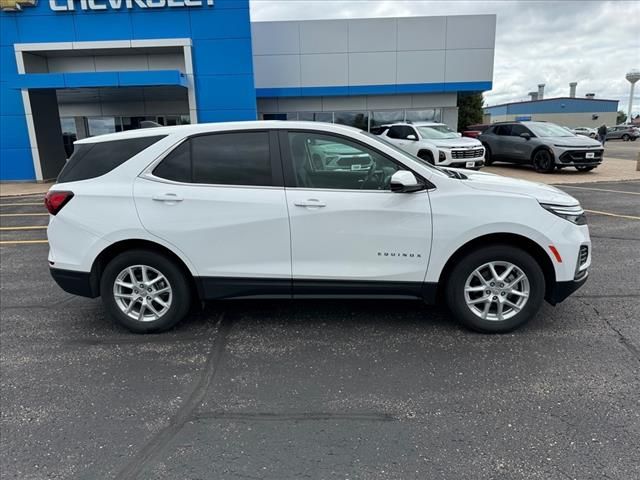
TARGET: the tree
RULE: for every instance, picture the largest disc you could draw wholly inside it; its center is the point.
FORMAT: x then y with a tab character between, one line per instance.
622	117
469	109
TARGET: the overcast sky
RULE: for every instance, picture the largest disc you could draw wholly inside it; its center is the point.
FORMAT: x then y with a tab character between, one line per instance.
553	42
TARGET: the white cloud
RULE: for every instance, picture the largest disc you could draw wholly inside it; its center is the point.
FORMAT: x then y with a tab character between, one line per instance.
553	42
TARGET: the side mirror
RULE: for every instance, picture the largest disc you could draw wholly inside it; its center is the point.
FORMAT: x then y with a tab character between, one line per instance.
412	137
525	135
404	181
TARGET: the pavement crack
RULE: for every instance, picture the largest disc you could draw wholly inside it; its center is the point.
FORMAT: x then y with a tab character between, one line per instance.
158	443
302	416
621	337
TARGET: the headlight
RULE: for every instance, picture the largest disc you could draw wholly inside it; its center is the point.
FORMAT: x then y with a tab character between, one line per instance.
574	214
442	157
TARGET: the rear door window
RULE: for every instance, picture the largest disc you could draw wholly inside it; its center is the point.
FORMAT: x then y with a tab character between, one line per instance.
239	158
91	160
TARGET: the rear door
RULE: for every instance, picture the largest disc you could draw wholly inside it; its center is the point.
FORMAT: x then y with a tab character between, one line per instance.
349	233
220	199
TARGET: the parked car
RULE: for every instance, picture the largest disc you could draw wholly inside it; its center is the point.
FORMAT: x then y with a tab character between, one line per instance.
623	132
586	131
544	145
149	219
435	143
474	131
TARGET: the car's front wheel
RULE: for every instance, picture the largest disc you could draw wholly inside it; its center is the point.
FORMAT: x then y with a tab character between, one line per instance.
145	291
543	161
495	289
625	137
427	156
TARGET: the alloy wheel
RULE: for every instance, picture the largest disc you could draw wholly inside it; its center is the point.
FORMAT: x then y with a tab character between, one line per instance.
497	291
142	293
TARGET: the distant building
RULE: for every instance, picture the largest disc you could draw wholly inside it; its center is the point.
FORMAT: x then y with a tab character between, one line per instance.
567	111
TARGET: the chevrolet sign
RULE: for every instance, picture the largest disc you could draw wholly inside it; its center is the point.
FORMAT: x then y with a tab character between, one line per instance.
71	5
16	5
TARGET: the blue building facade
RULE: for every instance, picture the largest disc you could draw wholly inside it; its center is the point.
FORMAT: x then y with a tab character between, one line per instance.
77	68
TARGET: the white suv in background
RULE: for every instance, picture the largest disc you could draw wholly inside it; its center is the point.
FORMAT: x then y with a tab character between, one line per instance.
152	219
435	143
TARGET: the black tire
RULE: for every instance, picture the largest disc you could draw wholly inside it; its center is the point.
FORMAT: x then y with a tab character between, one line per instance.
175	275
625	137
584	168
488	160
427	156
455	288
633	139
543	161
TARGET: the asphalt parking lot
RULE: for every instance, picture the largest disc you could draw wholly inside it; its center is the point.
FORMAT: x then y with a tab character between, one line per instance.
622	150
323	389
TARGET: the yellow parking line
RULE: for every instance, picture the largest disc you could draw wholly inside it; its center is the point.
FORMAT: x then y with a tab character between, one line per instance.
40	204
24	214
599	189
629	217
39	227
20	242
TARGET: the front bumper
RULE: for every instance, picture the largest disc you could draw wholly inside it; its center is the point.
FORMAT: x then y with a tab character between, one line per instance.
561	290
462	158
578	158
74	282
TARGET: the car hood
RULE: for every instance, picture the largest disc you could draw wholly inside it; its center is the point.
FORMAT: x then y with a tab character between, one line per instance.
581	141
497	183
459	142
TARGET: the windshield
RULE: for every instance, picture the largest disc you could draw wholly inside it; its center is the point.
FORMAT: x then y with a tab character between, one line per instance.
407	155
549	130
436	132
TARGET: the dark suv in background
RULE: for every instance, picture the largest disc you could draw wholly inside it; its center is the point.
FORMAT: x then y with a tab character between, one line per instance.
544	145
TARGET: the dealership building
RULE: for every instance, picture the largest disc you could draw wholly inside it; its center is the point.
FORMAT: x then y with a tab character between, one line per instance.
78	68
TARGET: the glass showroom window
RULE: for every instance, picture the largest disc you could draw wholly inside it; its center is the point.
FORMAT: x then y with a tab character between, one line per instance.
280	116
353	119
326	117
428	115
386	117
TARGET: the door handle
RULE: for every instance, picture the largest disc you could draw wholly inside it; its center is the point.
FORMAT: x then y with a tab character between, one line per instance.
312	202
167	197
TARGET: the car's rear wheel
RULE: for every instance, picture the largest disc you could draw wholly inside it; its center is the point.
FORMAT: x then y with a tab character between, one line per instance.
626	137
543	161
145	291
584	168
427	156
495	289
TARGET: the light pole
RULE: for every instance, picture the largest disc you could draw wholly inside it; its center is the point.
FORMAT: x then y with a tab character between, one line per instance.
633	76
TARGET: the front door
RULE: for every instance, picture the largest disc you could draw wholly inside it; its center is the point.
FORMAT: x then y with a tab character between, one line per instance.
348	230
220	199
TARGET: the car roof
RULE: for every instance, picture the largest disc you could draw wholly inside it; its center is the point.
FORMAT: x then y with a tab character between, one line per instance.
413	124
200	128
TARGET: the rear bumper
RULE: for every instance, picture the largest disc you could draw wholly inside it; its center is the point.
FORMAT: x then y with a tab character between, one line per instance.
74	282
562	290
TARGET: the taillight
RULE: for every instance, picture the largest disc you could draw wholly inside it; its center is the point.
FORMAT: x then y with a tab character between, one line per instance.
54	201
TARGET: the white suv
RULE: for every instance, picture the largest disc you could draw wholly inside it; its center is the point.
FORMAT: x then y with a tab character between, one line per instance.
151	219
435	143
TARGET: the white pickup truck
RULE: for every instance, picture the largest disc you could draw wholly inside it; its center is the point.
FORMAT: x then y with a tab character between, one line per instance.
435	143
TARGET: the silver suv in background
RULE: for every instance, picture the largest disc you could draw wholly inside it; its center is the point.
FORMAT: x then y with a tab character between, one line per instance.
544	145
623	132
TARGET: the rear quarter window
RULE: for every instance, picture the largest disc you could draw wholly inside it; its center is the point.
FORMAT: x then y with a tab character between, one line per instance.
91	160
